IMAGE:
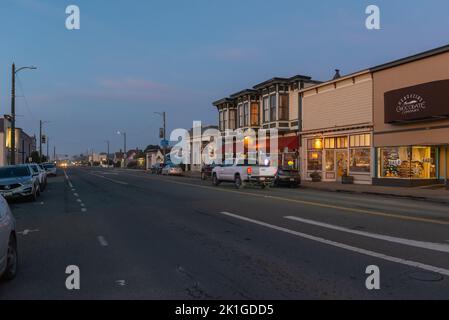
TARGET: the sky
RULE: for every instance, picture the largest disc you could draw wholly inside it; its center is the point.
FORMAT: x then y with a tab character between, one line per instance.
132	58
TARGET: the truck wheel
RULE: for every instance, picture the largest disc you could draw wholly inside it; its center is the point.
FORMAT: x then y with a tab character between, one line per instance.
215	180
238	182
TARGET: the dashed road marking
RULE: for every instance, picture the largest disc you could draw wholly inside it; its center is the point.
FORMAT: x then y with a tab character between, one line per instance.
407	242
378	255
83	210
102	241
27	232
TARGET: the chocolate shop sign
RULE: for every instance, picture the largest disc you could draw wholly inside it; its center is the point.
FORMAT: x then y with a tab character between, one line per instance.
421	102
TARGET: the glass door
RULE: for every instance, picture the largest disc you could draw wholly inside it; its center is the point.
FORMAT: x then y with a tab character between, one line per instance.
342	163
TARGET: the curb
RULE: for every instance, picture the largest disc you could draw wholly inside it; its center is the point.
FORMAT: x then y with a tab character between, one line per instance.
373	193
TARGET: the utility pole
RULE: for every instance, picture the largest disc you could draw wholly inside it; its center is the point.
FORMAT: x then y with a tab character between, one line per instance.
14	71
164	132
54	153
48	144
40	140
13	116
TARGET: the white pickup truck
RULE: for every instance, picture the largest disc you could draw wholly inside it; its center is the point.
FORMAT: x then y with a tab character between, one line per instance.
241	173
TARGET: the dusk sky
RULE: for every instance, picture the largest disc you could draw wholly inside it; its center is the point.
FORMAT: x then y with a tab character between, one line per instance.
133	58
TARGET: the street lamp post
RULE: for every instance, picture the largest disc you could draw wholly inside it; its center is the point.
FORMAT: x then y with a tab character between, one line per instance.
124	145
13	110
107	155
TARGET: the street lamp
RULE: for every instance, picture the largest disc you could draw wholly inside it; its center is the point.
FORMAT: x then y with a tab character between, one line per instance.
41	123
124	145
13	109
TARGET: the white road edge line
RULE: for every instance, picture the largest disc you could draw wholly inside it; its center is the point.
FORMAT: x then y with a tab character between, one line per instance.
407	242
382	256
102	241
112	180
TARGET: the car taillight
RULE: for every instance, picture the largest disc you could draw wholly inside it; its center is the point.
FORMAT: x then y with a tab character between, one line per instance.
250	171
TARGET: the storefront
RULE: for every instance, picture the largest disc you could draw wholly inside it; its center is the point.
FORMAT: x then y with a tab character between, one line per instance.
333	157
411	120
337	130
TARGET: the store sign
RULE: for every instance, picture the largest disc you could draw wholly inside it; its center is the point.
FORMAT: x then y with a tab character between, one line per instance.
421	102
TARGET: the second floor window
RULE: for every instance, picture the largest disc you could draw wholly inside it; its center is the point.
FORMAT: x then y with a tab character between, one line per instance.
232	119
221	121
273	108
283	107
246	111
225	119
241	117
266	110
254	114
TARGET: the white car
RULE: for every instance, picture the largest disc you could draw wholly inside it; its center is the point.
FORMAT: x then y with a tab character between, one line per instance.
242	172
41	175
51	169
172	170
8	242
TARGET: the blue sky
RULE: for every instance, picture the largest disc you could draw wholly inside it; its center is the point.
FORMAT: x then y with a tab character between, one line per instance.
133	58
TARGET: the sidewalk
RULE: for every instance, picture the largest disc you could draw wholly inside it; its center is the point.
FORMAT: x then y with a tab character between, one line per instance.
436	194
429	193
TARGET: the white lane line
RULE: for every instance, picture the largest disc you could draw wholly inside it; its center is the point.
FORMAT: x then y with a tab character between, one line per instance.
344	246
102	241
27	232
83	210
82	204
76	195
68	180
109	179
79	200
412	243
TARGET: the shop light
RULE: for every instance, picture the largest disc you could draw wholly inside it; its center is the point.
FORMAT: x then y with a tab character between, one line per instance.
318	144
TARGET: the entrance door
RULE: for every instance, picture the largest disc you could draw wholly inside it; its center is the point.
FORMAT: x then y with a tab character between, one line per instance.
342	163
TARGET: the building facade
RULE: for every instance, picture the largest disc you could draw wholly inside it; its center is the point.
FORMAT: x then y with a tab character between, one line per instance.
411	119
272	104
25	144
336	130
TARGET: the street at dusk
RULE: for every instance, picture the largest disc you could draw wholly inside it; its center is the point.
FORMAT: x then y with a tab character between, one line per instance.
224	159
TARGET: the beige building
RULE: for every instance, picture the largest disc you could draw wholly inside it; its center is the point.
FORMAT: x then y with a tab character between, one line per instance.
411	119
25	144
337	125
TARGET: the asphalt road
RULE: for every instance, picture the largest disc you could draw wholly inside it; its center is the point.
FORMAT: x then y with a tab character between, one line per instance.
138	236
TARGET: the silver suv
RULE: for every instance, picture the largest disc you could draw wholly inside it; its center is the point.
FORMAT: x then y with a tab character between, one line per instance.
19	182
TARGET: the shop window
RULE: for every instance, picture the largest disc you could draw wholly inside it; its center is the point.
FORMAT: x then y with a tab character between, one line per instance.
315	144
314	160
342	142
225	120
330	160
360	140
360	160
283	107
407	162
329	143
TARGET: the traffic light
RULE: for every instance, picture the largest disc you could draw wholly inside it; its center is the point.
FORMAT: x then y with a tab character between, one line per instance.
44	139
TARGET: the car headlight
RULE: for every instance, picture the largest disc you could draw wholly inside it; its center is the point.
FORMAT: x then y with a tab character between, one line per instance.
28	182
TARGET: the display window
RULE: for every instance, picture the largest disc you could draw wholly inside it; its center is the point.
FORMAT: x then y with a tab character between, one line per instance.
407	162
360	160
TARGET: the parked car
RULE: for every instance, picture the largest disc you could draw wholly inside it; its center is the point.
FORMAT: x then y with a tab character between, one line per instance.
206	171
8	242
172	170
42	175
19	182
241	173
287	177
157	168
51	169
